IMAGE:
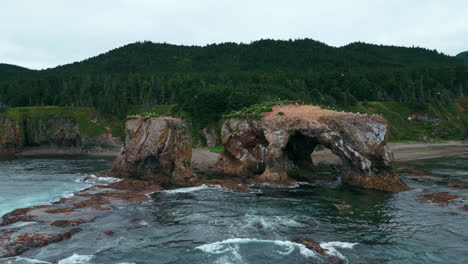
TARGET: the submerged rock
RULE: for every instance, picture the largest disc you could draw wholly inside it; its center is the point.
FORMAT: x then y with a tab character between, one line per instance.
158	149
440	198
14	246
459	185
53	220
280	144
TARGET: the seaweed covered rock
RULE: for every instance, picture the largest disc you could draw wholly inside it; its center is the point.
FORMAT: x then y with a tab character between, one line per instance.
158	149
281	141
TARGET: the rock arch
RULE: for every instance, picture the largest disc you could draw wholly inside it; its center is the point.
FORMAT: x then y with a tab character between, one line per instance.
270	148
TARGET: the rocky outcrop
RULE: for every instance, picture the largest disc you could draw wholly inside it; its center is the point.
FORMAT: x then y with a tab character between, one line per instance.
11	136
210	137
280	144
158	149
62	219
53	133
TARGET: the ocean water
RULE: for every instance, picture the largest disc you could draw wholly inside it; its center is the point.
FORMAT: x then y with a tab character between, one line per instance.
210	225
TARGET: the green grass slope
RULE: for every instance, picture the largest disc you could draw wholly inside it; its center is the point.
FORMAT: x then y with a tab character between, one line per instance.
89	121
421	122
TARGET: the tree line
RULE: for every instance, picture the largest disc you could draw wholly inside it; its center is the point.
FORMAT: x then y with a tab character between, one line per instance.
206	82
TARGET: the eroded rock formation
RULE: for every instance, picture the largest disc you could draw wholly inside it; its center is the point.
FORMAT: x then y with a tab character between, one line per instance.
54	133
158	149
11	136
281	142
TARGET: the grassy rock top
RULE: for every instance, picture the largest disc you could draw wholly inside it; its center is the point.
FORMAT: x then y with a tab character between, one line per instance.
88	120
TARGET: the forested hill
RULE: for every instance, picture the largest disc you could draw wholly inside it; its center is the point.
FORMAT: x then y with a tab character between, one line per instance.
260	56
8	71
463	55
208	81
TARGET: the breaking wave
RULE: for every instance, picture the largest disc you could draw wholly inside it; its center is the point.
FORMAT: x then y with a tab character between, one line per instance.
285	247
192	189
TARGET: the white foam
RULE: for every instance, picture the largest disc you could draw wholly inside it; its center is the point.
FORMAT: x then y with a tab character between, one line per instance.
226	246
287	247
93	179
268	222
192	189
77	259
332	248
26	260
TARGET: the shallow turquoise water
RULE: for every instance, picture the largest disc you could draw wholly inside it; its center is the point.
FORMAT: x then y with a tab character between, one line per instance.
211	225
35	181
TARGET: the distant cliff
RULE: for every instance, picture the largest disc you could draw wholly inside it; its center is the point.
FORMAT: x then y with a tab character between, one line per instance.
78	130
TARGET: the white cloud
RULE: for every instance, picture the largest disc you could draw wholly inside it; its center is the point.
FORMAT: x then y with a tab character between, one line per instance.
47	33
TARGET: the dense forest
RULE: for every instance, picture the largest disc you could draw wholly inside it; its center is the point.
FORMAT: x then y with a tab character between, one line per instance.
463	55
207	81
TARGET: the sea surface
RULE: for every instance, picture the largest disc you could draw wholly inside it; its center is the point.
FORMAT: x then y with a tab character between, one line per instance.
210	225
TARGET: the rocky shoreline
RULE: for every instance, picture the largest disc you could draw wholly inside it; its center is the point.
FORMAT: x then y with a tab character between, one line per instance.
158	155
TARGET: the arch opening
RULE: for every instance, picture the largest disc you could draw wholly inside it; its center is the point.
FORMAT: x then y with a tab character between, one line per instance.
298	152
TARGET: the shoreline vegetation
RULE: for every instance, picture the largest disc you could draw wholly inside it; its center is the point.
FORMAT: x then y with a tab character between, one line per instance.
422	132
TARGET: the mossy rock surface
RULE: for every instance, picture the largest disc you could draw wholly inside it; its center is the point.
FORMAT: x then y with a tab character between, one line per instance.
89	121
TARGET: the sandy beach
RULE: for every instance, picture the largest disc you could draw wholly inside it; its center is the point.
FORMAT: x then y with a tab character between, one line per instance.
204	159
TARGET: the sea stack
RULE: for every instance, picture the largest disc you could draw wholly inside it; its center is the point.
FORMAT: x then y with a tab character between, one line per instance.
280	142
157	149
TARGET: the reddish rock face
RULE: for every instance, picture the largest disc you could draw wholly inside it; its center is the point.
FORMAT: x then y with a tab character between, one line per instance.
279	145
20	215
158	149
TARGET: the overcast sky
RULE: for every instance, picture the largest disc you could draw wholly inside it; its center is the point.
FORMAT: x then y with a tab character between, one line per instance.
46	33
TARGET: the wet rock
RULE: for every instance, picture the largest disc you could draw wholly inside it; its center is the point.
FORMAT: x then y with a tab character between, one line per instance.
274	147
21	214
71	222
135	186
34	240
17	244
464	207
459	185
96	202
91	202
315	246
440	198
109	233
60	211
157	149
